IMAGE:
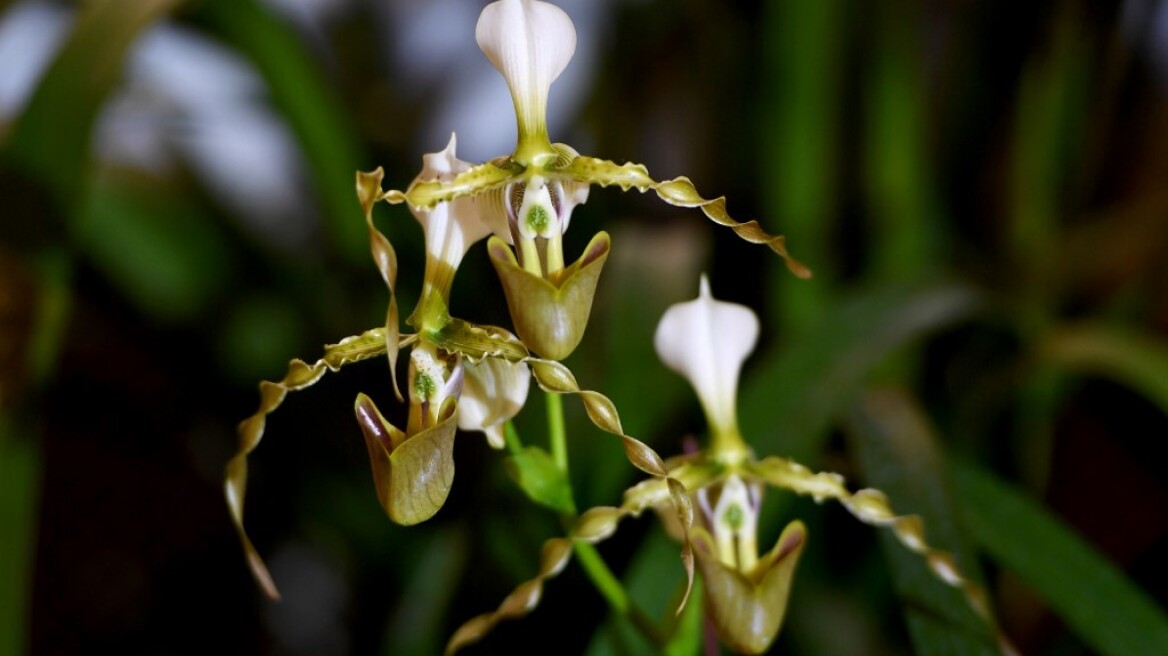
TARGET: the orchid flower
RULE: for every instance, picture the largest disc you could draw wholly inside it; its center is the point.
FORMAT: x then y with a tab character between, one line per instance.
530	43
453	364
528	196
706	341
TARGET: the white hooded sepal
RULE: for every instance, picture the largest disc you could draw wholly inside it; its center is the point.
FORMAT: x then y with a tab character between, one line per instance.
530	43
494	390
707	340
452	227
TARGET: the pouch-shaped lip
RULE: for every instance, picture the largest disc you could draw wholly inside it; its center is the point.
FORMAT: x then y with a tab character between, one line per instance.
551	316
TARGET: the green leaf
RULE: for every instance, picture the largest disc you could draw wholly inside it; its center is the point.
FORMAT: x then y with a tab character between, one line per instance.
687	639
51	140
1091	595
800	133
898	453
309	103
20	479
540	479
797	391
416	622
162	253
1137	360
907	232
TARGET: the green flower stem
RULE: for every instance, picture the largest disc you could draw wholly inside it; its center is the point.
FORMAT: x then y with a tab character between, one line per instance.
602	577
20	479
614	592
557	435
590	559
511	439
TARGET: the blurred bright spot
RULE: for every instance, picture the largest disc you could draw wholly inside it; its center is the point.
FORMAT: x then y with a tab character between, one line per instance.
30	34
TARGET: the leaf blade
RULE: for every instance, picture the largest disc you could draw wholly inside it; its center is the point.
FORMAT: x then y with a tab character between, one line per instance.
1098	603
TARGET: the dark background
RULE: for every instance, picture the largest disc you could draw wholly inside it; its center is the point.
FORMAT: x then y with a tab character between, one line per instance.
979	187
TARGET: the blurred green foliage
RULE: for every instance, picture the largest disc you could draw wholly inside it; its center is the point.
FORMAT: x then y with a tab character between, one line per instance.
978	187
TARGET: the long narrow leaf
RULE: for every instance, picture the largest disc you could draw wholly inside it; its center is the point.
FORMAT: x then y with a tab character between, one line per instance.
898	453
1097	602
799	389
1137	360
310	105
51	140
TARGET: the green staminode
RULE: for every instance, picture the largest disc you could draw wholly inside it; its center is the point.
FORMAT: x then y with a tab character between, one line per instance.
424	386
537	219
734	517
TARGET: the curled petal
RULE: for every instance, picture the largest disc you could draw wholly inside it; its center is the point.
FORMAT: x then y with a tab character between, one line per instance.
368	193
593	526
301	375
706	341
494	390
871	507
530	43
481	179
679	192
748	607
555	378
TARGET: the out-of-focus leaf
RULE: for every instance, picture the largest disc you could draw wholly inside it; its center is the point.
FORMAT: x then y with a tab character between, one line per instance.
540	479
801	132
18	305
687	638
34	308
416	624
20	476
164	255
653	582
1137	360
51	140
309	104
794	393
1048	136
1094	598
897	453
905	235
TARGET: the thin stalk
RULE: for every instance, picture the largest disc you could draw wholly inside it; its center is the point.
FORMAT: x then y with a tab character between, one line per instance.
602	577
511	439
557	435
590	559
20	478
614	592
